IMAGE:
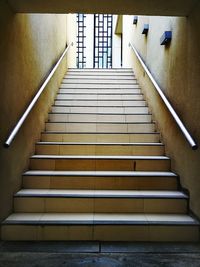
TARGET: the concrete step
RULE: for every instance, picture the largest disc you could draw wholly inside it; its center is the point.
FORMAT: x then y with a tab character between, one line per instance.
99	163
152	137
98	81
100	226
103	91
57	116
103	201
104	102
100	74
99	110
126	180
101	87
100	103
61	107
140	104
114	71
102	77
69	148
104	127
98	96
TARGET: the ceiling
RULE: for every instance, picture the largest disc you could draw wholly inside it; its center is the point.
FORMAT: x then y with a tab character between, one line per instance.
139	7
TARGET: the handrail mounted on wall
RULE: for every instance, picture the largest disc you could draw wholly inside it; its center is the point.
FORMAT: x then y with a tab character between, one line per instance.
34	100
166	101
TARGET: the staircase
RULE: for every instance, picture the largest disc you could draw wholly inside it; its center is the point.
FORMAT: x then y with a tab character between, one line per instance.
100	170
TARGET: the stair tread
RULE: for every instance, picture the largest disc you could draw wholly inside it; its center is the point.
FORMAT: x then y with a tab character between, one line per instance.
104	70
101	173
89	99
100	133
100	218
98	143
70	74
99	113
100	93
101	81
99	70
101	193
102	78
74	74
99	157
95	105
98	122
134	89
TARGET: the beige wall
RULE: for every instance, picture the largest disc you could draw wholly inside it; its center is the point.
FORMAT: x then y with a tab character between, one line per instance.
71	38
29	45
176	69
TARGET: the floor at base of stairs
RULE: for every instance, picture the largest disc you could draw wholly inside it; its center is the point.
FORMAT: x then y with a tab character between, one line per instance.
99	254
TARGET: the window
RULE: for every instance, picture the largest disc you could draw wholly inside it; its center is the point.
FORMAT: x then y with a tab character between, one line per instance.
81	59
102	41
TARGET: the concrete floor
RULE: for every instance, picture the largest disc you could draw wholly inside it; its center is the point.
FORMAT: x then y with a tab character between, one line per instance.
96	254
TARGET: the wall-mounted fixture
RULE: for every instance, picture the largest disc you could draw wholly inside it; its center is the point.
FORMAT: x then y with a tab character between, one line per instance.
166	38
145	29
135	19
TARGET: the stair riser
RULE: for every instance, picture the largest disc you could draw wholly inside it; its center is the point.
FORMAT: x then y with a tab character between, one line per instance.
99	150
136	93
61	137
78	82
101	127
101	205
91	100
91	71
101	87
96	72
100	77
110	74
62	108
100	80
99	165
100	183
64	94
100	233
61	100
97	117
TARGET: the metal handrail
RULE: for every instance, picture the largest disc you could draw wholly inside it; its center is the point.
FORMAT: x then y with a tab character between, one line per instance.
166	101
36	97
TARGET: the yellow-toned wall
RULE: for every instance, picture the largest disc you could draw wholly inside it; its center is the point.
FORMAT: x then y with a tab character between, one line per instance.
71	38
176	68
29	46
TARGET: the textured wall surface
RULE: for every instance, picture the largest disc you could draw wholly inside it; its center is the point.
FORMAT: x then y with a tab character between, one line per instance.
176	68
29	46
